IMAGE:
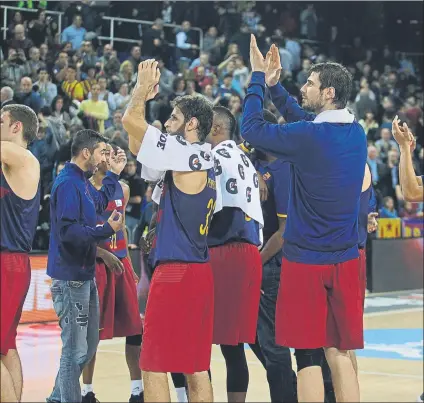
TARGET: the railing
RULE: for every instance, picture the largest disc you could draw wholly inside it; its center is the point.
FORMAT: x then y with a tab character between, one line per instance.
112	21
4	28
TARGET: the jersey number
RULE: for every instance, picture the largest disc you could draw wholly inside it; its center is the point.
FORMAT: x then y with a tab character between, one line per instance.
204	228
113	242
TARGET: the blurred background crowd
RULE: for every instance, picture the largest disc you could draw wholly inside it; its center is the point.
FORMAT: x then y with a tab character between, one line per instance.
75	64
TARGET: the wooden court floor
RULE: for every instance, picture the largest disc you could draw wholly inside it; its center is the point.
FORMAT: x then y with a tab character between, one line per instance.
391	366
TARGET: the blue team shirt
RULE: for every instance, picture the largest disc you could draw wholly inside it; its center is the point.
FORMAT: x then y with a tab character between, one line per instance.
182	223
327	171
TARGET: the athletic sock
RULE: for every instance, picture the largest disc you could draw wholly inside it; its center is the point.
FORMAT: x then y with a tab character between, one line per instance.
87	388
181	395
136	387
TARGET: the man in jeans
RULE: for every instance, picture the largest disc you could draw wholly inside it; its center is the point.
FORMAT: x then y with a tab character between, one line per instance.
72	254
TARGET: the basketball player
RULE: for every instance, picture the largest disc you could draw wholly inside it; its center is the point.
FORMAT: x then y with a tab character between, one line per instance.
116	284
320	266
412	185
19	204
178	321
233	241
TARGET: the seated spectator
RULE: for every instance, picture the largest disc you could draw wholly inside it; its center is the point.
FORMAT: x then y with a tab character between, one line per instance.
122	97
46	88
109	62
411	210
166	78
388	210
369	122
89	55
126	73
34	63
226	90
72	87
7	96
20	41
105	95
74	33
94	110
135	57
27	96
57	107
116	126
13	69
89	79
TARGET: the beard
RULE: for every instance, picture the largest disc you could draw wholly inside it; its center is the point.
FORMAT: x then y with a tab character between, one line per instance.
178	132
92	167
313	106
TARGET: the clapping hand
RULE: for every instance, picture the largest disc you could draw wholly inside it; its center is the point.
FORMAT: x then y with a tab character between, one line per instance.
257	61
273	66
148	78
118	160
402	134
116	221
372	222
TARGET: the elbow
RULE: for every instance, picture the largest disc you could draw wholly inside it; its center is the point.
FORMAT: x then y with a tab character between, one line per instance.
413	196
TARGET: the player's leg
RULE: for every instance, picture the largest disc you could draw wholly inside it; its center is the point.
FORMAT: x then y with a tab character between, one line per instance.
87	377
132	356
180	386
278	363
303	325
156	388
352	356
199	387
237	372
345	330
8	393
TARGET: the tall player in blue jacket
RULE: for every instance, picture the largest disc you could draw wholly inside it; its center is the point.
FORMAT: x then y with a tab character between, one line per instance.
320	266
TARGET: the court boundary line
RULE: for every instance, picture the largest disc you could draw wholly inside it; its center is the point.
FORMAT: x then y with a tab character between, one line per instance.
389	374
393	311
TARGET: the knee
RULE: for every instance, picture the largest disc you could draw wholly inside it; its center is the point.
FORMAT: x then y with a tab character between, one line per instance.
332	353
309	358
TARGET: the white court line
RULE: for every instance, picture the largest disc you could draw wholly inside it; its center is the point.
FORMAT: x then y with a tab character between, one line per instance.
383	313
389	374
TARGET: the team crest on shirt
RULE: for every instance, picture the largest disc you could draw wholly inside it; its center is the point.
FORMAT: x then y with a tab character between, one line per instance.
118	203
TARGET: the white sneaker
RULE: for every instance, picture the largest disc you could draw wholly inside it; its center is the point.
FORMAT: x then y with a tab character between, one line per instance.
420	399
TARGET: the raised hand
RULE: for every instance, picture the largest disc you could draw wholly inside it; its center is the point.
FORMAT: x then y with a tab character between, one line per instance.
148	78
273	66
257	61
372	222
116	221
402	134
117	161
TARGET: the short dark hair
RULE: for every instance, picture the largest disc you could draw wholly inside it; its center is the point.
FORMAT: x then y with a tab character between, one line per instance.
28	118
225	114
269	116
195	106
86	139
337	76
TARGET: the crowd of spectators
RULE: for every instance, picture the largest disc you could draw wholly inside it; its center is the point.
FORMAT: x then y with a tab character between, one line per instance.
73	80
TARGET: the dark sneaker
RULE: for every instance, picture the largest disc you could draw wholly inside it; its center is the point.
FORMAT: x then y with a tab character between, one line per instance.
90	397
137	398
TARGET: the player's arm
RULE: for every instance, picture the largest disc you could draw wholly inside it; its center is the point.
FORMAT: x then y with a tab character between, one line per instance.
275	243
288	106
18	157
284	141
68	216
412	185
134	119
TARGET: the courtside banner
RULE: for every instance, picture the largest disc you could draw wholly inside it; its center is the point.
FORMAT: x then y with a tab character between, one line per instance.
389	228
413	227
38	306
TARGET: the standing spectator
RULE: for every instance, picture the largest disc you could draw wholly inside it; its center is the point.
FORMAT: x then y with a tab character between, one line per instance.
46	88
135	57
27	96
137	190
95	109
116	126
385	144
34	63
60	67
37	29
308	22
20	41
369	122
154	34
184	43
13	69
74	33
72	87
58	111
6	96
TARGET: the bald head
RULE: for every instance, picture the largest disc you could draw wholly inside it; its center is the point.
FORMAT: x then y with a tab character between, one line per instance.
6	94
19	31
26	85
372	152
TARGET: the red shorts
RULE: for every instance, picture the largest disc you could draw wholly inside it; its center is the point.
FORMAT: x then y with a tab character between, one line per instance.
118	302
15	278
320	306
178	324
363	271
237	275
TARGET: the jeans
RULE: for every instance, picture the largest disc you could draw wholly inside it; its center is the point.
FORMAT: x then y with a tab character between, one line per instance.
278	364
77	305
